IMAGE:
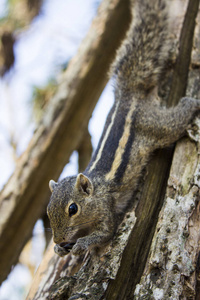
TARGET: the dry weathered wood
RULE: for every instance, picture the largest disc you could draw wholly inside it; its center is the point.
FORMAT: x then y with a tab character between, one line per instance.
135	255
26	194
136	252
179	83
171	270
115	274
97	269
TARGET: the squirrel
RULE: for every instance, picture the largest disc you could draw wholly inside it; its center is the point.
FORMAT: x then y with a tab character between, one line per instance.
85	210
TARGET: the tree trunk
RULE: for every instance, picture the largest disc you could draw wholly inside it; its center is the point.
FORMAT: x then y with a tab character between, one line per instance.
24	198
155	253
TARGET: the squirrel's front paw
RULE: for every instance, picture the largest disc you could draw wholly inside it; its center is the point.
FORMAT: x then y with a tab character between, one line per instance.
79	248
60	250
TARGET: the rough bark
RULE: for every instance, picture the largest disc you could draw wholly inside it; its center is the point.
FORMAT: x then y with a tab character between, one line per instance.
172	267
156	282
91	280
171	270
25	196
147	259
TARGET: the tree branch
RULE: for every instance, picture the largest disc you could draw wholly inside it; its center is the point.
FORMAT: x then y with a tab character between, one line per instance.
119	267
180	75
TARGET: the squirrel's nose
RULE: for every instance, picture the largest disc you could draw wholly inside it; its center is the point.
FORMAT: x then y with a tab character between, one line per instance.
58	239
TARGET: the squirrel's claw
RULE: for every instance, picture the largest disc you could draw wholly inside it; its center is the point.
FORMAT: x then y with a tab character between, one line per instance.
61	251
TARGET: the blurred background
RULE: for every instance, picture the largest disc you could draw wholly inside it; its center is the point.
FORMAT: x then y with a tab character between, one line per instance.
38	38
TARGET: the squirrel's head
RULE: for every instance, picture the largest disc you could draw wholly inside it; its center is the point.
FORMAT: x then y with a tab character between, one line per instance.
70	209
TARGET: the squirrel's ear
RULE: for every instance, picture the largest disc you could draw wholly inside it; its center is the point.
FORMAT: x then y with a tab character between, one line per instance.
84	185
52	185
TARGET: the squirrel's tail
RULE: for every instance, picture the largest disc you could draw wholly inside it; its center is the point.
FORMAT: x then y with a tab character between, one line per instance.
141	57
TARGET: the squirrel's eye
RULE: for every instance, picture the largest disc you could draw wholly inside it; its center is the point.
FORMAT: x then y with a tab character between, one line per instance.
73	208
